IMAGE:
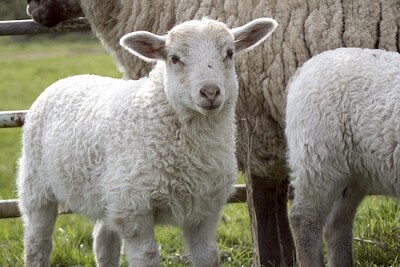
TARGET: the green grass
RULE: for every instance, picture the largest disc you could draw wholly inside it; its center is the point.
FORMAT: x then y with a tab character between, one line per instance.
26	68
377	233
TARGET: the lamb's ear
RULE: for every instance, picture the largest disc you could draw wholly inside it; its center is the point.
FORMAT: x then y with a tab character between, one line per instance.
253	33
146	45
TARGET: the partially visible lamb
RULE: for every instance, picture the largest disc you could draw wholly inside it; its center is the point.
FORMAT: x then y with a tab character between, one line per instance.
343	134
132	154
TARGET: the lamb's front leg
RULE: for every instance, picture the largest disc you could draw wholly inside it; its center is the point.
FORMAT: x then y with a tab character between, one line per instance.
137	231
106	246
39	224
200	241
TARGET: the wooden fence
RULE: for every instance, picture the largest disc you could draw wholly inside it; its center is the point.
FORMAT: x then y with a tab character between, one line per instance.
9	207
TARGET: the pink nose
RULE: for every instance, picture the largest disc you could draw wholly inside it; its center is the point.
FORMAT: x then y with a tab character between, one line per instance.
210	92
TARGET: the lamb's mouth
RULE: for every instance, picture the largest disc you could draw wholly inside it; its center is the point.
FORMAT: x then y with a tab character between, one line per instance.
209	110
210	105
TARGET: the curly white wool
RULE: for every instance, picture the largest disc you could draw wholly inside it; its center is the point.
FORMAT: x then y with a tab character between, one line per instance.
342	129
134	153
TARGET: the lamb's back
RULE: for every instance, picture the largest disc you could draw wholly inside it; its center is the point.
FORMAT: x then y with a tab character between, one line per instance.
345	102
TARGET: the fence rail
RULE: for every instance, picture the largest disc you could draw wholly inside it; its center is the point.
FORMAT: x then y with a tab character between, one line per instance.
12	118
9	207
28	26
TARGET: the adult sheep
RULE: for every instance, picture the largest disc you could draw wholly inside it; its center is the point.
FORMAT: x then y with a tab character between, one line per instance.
307	27
132	154
343	139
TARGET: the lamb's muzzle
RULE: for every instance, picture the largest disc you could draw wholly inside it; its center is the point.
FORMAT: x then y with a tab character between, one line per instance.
211	95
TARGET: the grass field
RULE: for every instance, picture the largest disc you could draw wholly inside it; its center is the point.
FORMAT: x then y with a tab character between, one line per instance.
26	68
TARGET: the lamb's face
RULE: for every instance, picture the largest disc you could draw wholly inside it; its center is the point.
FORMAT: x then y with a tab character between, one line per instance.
200	67
199	58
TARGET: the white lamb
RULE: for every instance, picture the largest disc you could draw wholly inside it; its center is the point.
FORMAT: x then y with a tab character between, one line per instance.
132	154
343	134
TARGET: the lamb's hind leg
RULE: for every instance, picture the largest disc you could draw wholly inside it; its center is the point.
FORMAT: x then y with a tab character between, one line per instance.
106	246
339	228
311	207
307	232
39	226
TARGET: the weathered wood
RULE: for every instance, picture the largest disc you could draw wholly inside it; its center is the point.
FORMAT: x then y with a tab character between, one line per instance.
253	221
9	207
250	197
28	26
12	118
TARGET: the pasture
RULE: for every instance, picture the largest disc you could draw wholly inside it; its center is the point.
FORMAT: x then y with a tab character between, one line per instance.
29	66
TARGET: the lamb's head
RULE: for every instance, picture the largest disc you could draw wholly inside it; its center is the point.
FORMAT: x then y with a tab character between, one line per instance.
199	60
51	12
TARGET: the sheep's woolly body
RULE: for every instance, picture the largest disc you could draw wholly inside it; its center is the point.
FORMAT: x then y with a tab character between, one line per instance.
306	28
343	140
83	142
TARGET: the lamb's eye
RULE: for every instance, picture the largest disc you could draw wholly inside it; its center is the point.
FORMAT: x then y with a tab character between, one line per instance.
175	59
229	53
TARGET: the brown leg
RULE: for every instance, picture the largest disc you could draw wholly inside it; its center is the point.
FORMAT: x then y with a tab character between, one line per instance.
272	238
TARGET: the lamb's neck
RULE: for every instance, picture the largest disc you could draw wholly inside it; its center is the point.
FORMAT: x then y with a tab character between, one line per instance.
217	127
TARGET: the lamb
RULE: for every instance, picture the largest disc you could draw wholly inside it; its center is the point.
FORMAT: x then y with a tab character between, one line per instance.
306	28
342	128
131	154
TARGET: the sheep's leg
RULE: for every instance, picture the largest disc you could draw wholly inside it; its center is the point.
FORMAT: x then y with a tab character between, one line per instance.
137	231
339	228
270	225
106	246
39	226
308	216
200	241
